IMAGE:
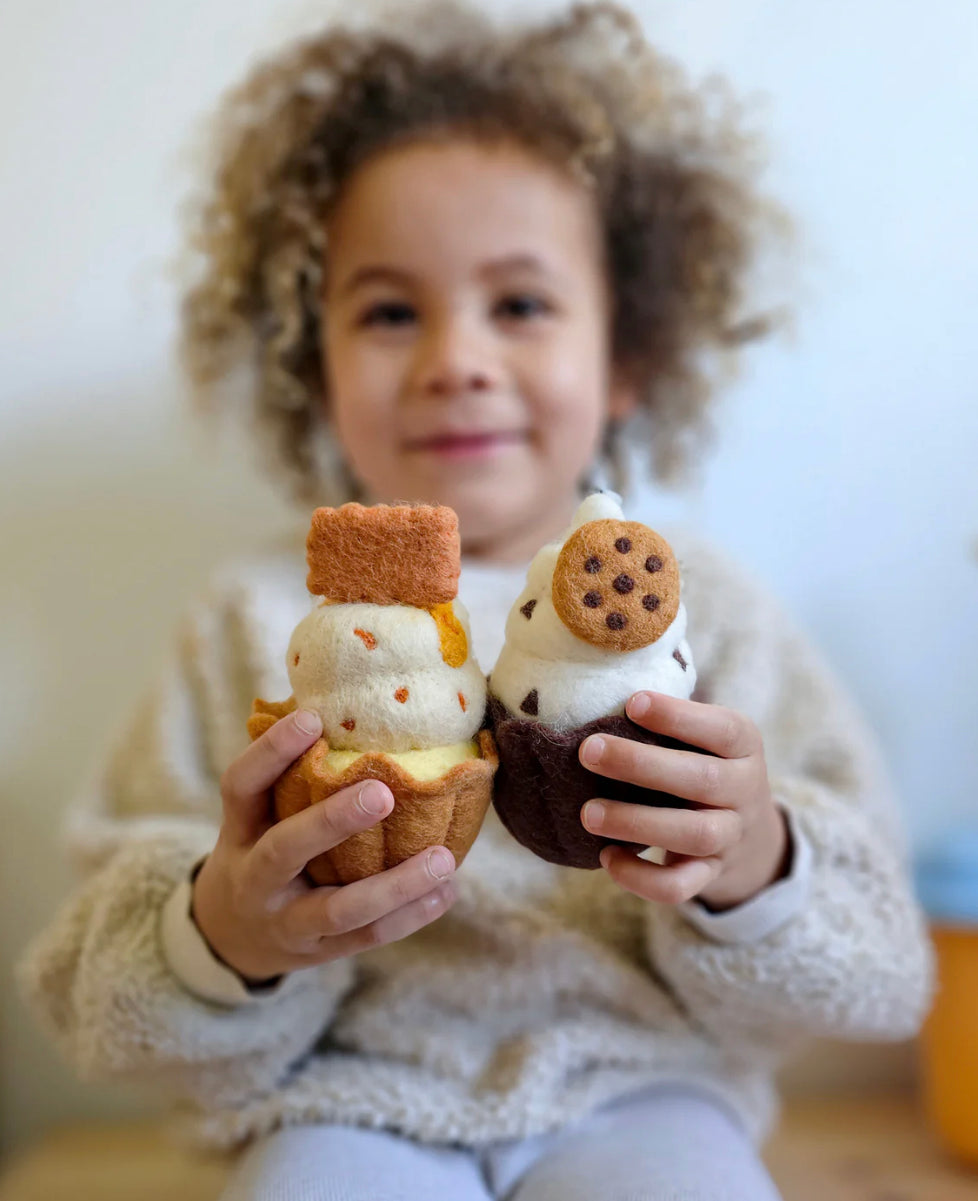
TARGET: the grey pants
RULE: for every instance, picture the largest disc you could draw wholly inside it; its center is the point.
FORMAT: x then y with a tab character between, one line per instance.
663	1144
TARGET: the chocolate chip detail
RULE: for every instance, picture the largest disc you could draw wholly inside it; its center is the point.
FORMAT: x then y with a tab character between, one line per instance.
679	659
615	621
623	544
653	563
531	703
623	583
592	599
527	609
650	601
592	565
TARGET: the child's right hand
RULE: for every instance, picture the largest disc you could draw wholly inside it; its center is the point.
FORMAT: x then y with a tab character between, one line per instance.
251	901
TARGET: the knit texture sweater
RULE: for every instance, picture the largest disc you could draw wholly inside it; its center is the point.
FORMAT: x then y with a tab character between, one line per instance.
545	991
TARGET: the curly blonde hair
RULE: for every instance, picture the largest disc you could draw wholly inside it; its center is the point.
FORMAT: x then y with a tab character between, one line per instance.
671	168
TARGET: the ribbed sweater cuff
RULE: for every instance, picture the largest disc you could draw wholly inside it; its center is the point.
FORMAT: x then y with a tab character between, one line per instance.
195	965
769	909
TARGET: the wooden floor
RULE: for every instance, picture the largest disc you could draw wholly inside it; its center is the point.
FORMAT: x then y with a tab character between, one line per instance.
870	1149
875	1149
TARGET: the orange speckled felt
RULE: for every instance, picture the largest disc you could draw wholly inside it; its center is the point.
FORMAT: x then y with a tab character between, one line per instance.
384	554
616	584
448	811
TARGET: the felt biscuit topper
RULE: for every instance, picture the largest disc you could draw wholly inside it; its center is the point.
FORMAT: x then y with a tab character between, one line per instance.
600	618
383	658
384	555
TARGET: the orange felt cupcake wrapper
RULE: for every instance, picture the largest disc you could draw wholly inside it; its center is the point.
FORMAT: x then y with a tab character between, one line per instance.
446	811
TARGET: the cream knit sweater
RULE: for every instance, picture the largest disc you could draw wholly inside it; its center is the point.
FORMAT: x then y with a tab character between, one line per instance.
545	991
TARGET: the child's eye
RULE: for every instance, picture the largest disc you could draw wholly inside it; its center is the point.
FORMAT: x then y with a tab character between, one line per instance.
522	306
388	313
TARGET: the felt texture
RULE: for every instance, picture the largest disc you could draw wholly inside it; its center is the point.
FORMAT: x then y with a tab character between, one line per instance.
384	661
452	638
387	677
264	715
420	765
384	554
547	672
616	584
448	810
541	785
566	693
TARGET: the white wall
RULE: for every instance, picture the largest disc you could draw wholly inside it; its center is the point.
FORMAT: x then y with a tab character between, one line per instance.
847	471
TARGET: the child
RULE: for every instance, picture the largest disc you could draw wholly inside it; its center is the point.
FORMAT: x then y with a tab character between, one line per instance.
462	261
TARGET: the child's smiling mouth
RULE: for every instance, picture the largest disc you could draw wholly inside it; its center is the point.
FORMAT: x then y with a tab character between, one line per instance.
466	444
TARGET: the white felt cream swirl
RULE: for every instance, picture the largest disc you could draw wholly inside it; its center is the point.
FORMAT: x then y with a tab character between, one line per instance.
546	673
388	677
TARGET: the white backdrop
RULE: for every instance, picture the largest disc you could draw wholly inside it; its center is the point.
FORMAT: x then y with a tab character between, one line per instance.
846	475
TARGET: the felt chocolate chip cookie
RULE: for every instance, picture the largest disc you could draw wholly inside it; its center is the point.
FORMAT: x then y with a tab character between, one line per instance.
616	584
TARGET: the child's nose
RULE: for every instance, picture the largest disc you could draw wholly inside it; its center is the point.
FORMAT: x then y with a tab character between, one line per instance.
454	360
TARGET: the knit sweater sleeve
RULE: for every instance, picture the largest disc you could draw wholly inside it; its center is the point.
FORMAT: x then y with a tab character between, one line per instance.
97	977
853	961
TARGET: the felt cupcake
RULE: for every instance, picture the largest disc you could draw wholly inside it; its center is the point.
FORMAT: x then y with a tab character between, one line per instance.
600	618
383	658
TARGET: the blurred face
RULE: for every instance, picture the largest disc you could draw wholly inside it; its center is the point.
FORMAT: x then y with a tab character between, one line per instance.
466	335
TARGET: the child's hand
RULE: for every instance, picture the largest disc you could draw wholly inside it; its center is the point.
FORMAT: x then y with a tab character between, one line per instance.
250	900
723	852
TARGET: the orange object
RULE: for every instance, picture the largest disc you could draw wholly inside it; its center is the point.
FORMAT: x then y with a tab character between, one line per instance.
950	1041
451	636
616	584
448	810
384	555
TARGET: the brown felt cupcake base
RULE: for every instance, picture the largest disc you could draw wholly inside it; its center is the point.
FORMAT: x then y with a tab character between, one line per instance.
541	785
447	811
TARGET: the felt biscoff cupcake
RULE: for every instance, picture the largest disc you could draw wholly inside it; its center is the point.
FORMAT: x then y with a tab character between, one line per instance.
600	618
383	658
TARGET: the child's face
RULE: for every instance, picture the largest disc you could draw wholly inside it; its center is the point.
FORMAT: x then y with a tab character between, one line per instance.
466	334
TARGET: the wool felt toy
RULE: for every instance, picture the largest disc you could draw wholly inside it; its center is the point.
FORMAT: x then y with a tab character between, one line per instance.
599	619
383	658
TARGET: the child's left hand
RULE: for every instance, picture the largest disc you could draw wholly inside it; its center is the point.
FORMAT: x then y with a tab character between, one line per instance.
725	851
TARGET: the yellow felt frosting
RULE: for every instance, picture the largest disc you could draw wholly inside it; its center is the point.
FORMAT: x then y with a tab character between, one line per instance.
451	635
427	764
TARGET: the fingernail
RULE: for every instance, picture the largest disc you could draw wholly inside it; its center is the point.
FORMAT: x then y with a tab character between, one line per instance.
593	815
639	704
440	864
592	749
308	722
373	799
